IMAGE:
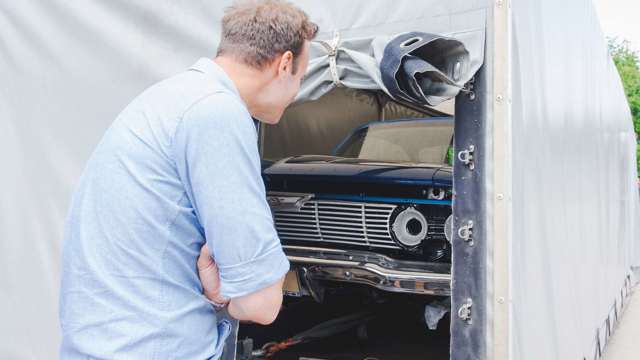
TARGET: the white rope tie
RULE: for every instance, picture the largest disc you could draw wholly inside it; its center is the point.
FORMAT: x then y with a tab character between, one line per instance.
332	53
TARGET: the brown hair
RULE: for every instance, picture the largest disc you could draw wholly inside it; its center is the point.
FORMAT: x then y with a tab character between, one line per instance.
255	32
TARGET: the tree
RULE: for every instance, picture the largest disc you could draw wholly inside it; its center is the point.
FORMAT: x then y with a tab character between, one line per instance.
627	62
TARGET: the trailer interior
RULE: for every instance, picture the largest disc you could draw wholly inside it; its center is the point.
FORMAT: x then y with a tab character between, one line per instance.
350	317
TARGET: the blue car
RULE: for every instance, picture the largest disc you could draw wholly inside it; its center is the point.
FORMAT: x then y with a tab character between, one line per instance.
377	211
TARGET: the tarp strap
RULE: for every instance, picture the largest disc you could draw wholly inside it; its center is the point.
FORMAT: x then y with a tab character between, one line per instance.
332	53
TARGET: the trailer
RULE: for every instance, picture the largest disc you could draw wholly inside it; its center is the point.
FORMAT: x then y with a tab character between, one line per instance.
543	243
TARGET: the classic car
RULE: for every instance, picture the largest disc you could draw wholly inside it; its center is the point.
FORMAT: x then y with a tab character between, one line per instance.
377	211
367	231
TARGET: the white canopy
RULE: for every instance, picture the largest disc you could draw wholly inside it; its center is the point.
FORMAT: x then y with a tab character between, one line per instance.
68	68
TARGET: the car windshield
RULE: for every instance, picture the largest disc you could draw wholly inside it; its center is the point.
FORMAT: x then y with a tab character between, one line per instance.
410	141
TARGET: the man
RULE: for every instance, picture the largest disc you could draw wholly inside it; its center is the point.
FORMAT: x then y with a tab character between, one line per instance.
179	168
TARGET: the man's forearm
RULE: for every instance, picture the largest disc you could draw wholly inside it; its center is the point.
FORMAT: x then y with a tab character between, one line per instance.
261	307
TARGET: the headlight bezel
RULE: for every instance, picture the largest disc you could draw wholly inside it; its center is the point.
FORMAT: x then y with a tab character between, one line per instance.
401	219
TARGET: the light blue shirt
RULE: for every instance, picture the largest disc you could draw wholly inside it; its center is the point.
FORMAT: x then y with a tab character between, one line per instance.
178	167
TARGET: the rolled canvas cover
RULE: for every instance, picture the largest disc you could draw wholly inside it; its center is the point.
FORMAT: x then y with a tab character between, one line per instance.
68	68
352	43
425	69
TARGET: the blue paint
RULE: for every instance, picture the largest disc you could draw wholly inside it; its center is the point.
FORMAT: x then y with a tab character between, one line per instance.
381	199
314	168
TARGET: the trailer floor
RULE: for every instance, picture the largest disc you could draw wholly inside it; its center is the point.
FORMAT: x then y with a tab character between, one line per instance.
623	344
396	331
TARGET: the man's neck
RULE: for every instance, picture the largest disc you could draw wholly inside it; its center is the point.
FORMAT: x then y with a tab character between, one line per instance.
246	79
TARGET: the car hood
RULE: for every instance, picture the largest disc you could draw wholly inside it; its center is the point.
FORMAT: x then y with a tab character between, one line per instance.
360	170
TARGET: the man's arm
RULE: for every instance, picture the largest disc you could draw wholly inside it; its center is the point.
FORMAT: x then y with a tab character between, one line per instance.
216	153
260	307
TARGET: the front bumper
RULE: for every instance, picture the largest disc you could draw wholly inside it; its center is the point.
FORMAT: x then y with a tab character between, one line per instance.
372	269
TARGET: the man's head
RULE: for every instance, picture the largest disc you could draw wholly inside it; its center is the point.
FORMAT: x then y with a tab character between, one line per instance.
265	46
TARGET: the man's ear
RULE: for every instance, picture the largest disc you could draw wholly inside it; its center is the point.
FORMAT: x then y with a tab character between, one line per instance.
286	62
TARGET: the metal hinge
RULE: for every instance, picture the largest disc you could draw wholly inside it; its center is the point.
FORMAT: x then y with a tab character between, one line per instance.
464	312
466	232
466	157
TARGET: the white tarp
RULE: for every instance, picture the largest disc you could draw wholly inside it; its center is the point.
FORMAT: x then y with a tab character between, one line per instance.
575	196
68	67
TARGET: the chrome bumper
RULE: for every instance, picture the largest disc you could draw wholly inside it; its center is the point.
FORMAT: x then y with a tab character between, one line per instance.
371	269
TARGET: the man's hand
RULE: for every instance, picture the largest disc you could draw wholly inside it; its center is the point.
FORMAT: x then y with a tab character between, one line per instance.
210	277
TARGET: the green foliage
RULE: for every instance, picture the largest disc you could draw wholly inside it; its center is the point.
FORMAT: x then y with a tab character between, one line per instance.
627	61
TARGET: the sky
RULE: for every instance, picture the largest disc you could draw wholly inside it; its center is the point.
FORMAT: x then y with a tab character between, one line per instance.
620	18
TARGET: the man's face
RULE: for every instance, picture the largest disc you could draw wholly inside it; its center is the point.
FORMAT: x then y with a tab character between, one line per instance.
283	89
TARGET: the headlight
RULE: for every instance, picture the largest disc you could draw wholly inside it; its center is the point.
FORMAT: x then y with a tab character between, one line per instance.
448	228
409	227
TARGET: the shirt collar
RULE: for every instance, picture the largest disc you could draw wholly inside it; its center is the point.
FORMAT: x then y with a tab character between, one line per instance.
209	67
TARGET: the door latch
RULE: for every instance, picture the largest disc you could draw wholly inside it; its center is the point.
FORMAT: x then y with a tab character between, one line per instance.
468	89
466	157
466	232
464	312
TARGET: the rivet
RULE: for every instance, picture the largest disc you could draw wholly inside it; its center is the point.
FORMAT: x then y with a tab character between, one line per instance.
500	196
499	98
500	300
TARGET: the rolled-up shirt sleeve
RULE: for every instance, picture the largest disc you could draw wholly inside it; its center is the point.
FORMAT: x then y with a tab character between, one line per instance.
216	154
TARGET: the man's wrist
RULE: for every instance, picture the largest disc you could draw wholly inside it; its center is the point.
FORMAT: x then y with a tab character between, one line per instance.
218	302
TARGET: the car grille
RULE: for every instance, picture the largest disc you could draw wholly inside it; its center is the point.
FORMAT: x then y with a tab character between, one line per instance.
341	222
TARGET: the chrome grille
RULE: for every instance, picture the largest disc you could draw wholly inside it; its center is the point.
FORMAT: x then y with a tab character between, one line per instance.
342	222
436	228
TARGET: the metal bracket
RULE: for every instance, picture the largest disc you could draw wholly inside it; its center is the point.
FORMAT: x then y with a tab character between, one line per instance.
466	156
464	312
436	194
285	201
469	87
466	232
315	289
